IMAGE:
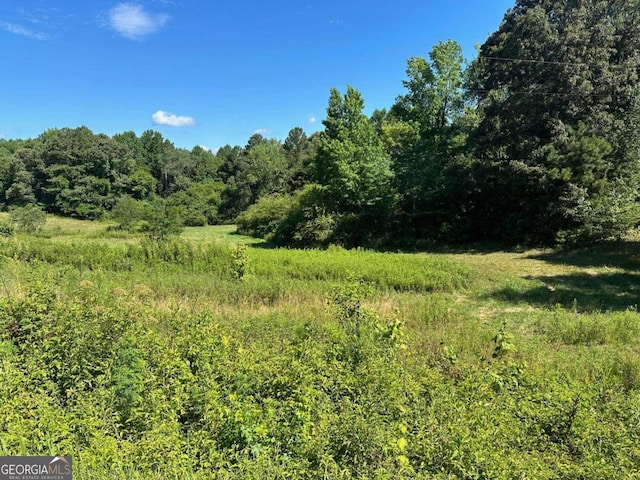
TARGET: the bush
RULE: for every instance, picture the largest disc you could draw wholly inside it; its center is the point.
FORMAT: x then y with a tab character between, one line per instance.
263	218
195	219
193	374
199	202
300	219
128	213
608	216
29	219
164	220
308	223
6	229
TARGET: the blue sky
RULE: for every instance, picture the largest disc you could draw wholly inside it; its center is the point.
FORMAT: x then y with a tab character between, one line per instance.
213	73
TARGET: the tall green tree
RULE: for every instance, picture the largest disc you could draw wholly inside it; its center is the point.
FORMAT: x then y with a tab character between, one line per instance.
204	164
353	166
351	160
266	170
153	149
251	173
299	151
231	161
19	183
424	133
176	170
434	97
83	174
142	183
557	88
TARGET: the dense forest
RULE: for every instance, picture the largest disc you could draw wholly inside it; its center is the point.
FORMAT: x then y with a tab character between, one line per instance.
535	141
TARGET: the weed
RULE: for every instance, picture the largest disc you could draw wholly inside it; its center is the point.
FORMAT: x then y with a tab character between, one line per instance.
166	359
239	262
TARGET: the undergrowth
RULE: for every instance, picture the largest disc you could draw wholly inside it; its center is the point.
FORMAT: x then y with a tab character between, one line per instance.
199	360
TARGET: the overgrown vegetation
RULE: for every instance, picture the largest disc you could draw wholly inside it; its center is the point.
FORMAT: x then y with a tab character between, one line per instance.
159	346
29	219
172	358
534	142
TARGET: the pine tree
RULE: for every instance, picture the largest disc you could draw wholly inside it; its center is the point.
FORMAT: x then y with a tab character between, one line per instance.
557	86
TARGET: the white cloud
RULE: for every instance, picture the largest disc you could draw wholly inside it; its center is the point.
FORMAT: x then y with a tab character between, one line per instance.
133	22
311	119
20	30
165	118
261	131
210	150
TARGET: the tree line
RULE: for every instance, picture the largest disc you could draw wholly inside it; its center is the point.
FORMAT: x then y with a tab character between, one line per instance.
534	141
75	172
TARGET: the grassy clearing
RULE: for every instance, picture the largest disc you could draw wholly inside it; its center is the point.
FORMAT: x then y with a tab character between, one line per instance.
218	233
317	364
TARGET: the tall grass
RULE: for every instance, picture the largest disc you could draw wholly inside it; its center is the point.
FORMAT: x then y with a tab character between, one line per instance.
401	272
158	360
616	328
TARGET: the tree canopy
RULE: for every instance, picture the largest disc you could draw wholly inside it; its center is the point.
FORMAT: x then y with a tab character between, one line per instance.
536	140
557	90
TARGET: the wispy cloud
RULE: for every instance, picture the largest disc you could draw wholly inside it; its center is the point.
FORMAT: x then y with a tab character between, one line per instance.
20	30
165	118
134	22
261	131
311	119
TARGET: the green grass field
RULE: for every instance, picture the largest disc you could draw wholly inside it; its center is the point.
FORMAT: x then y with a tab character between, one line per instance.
196	358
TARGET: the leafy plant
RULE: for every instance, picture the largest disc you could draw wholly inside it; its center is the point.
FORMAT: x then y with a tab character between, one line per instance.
239	262
29	219
162	220
6	229
502	343
263	218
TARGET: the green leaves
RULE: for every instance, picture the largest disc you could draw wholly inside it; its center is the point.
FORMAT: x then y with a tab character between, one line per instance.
435	96
157	218
127	375
29	219
182	370
503	342
81	173
555	93
239	262
351	160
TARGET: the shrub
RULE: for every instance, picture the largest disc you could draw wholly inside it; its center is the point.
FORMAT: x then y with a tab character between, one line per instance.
6	229
29	219
263	218
195	219
163	220
309	223
156	217
239	262
199	201
128	213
